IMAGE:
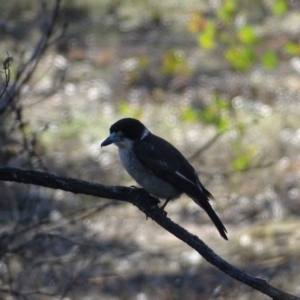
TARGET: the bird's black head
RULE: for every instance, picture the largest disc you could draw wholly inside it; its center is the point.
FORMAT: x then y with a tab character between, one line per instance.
124	131
131	128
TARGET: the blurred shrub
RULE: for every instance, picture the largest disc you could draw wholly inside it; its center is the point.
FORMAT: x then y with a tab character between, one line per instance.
241	34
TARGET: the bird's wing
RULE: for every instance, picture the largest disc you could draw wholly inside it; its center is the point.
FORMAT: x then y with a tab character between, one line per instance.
171	166
175	169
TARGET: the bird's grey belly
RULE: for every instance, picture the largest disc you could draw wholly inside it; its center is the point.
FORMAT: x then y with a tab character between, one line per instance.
145	178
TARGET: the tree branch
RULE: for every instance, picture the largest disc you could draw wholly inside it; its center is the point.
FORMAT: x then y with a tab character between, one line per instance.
207	145
26	71
6	70
145	203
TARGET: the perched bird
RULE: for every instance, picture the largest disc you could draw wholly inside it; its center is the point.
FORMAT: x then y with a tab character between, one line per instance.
158	166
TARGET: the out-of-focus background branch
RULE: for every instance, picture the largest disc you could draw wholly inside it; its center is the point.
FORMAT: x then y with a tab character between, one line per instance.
220	80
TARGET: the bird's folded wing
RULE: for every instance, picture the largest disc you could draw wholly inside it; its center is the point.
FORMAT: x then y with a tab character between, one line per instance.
171	166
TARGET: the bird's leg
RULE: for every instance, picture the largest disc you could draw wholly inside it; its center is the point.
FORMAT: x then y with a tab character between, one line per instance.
164	205
156	210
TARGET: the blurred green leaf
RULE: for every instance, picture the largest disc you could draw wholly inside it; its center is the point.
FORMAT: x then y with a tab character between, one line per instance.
126	109
189	114
208	116
221	103
247	35
217	113
223	124
292	48
279	6
229	6
244	160
241	58
206	39
269	60
227	11
174	63
241	163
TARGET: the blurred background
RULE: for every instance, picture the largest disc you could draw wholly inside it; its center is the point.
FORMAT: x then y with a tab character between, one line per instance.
218	79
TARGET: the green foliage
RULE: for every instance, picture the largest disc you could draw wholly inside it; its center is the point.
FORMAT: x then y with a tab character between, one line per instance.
292	48
245	158
247	35
238	33
269	60
189	114
240	57
227	11
216	114
174	63
279	7
126	109
206	39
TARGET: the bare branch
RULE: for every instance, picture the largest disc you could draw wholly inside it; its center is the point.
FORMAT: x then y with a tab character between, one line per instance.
207	145
6	70
28	139
27	70
15	292
145	203
258	166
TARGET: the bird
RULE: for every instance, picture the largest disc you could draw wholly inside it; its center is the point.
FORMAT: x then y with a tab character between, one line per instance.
158	167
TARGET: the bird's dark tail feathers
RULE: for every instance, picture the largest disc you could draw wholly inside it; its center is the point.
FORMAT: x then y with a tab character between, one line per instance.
211	213
218	223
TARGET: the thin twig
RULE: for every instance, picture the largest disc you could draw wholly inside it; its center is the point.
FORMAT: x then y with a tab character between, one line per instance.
227	173
208	144
24	294
6	70
28	68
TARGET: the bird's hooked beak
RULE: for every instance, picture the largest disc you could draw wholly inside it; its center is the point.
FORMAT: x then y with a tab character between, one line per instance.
113	138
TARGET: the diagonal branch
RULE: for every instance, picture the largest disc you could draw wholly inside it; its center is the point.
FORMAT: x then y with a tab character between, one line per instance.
27	70
208	144
145	203
6	70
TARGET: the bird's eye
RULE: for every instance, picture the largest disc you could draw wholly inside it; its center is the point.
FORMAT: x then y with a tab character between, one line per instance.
120	133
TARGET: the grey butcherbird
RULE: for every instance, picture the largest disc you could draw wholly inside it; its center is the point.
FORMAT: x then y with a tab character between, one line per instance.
158	166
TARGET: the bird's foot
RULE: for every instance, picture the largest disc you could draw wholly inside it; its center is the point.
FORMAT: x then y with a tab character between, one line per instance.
164	206
162	209
156	210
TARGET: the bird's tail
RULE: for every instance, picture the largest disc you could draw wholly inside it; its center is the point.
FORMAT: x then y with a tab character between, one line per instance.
211	213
